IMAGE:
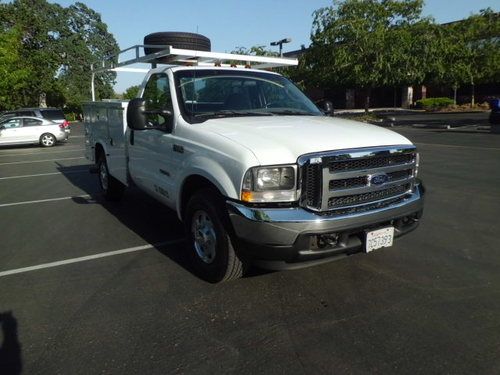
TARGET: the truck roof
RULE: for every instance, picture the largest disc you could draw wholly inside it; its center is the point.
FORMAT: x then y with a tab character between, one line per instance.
176	68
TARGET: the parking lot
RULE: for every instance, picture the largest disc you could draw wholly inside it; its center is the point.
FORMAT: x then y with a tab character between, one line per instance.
90	287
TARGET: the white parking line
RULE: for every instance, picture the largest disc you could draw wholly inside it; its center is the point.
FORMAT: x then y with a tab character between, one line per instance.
43	174
458	146
43	200
41	161
43	153
88	257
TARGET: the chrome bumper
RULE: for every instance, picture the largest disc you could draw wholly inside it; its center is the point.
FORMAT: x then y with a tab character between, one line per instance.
282	226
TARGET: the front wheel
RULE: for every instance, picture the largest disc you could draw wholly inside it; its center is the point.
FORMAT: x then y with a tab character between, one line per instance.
47	140
210	247
111	188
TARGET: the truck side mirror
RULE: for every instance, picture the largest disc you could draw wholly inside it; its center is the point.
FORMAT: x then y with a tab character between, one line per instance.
136	118
326	107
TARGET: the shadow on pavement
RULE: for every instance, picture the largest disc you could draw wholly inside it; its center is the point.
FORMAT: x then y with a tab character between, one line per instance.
142	214
148	218
10	351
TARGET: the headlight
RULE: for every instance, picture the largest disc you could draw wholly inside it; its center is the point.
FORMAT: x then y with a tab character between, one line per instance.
270	184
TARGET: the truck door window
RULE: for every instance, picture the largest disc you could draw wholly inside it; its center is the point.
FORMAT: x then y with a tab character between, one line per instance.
157	96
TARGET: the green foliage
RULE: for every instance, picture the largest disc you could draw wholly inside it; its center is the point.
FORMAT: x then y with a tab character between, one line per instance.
51	49
14	75
367	44
434	103
255	51
470	51
131	92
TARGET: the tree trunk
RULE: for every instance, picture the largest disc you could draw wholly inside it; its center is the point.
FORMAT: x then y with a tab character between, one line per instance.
367	99
455	88
472	99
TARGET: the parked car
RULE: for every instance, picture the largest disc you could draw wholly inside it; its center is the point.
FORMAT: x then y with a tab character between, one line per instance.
26	130
53	114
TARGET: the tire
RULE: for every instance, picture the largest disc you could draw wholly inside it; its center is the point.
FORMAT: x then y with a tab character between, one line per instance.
111	188
209	243
177	40
47	140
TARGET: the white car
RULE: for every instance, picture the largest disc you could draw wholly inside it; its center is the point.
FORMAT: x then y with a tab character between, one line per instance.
31	130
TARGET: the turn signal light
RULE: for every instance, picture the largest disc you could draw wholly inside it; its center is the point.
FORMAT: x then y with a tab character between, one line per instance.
246	196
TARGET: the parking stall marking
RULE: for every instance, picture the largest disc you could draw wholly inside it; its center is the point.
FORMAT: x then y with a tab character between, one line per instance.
44	174
41	161
43	200
458	146
42	152
88	257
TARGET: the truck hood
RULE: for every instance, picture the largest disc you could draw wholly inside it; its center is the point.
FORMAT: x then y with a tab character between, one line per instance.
282	139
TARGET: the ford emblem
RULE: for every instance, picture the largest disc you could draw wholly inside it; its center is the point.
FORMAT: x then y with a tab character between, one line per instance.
379	179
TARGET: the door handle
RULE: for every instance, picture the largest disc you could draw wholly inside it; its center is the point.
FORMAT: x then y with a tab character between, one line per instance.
179	149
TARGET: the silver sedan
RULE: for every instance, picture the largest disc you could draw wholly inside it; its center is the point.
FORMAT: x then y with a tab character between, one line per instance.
31	130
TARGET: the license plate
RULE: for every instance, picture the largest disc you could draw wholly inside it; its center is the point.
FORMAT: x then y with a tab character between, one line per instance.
379	238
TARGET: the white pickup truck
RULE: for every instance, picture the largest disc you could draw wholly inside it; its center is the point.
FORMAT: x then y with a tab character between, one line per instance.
256	172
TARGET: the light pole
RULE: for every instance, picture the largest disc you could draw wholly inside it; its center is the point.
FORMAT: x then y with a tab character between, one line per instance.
280	43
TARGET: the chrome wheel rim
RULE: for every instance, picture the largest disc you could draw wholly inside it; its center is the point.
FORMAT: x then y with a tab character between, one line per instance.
47	140
103	176
204	236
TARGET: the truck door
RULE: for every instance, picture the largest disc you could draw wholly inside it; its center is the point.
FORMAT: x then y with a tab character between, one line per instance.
151	159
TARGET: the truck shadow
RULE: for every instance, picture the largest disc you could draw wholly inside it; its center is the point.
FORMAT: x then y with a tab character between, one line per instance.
149	219
146	217
10	351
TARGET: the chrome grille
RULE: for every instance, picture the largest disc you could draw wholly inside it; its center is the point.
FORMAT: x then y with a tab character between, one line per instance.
356	179
339	165
357	199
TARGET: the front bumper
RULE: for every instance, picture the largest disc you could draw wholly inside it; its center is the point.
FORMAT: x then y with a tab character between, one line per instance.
279	238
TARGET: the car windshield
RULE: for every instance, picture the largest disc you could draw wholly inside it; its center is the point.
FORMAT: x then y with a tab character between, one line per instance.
205	94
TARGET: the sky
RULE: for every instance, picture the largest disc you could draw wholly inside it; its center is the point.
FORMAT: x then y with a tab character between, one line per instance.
233	23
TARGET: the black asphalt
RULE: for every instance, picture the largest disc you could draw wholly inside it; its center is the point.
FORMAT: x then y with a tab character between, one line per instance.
428	305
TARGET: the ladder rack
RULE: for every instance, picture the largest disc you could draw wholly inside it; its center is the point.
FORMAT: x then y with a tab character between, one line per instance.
175	56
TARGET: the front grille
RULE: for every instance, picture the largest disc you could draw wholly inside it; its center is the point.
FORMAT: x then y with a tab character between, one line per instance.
362	178
337	165
357	199
348	183
313	187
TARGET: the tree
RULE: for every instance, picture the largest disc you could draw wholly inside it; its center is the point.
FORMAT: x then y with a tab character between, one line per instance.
54	47
14	75
37	23
367	44
131	92
255	51
471	51
85	40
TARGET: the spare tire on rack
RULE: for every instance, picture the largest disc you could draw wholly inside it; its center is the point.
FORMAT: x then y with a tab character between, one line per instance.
180	40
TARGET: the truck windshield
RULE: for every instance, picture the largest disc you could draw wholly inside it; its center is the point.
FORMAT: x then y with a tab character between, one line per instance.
206	93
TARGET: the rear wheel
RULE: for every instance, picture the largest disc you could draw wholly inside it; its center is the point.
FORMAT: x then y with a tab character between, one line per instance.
210	245
111	188
47	140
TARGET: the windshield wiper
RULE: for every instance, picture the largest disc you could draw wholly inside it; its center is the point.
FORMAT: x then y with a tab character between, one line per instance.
228	113
292	112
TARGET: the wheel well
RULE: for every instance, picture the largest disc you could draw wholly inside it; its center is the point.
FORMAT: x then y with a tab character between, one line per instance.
191	185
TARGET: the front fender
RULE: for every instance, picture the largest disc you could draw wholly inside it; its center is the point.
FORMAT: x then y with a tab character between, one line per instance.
226	178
